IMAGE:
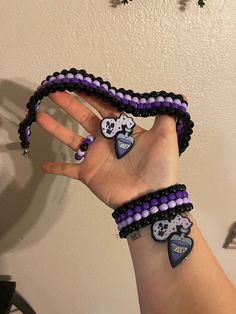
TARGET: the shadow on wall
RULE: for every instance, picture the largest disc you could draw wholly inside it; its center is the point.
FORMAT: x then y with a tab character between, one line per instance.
182	4
17	214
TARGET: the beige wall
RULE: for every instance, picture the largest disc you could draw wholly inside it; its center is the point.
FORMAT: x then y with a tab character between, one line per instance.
57	239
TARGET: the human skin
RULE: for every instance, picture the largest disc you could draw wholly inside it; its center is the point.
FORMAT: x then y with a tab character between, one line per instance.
198	284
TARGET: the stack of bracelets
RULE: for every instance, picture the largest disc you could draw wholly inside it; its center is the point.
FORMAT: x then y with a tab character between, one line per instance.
164	206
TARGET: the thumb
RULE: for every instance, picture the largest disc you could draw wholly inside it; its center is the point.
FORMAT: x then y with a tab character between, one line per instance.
165	123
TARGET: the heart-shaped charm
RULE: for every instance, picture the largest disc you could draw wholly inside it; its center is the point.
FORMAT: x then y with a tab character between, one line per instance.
179	246
123	144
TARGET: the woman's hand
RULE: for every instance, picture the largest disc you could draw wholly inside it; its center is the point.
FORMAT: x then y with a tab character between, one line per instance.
151	164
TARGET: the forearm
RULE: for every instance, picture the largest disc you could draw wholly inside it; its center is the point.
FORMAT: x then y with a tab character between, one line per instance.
196	285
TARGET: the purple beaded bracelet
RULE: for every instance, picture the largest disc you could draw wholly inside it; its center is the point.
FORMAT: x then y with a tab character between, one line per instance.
79	155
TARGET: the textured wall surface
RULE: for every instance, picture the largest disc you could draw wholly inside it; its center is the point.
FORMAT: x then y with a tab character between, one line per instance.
58	241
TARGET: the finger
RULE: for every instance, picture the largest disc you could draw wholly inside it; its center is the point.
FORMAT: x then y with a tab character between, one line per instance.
164	124
89	120
54	128
104	109
70	170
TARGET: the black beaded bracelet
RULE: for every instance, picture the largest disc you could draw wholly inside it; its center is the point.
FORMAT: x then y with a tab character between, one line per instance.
137	104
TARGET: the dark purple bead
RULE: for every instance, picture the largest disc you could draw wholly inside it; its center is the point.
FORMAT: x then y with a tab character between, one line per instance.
123	216
174	105
118	219
141	106
154	202
129	213
125	101
166	103
137	209
65	80
163	199
87	141
185	194
171	197
156	104
145	206
179	194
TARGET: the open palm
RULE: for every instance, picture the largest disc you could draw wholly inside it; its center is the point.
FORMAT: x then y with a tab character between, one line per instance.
151	164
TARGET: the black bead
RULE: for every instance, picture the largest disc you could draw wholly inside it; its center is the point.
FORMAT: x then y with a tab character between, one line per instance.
121	106
61	87
135	112
153	111
74	71
52	88
99	79
130	92
161	109
64	72
173	189
83	72
108	84
163	93
145	95
84	147
154	94
48	77
172	95
128	108
180	97
56	74
171	111
144	113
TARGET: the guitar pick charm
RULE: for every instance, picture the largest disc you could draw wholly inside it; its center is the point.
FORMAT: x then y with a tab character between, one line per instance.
121	129
175	231
179	246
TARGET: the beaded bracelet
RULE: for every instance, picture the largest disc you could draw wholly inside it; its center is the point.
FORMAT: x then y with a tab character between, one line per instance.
162	204
137	104
166	223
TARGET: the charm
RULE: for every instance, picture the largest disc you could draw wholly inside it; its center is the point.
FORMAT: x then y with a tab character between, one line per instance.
179	246
121	129
123	143
175	231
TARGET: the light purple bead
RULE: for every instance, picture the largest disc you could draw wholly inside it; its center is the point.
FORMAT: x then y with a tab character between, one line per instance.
145	213
154	202
137	217
184	105
60	76
91	138
171	204
129	220
87	141
171	197
120	95
142	101
163	207
151	99
169	99
70	75
135	99
177	101
186	200
159	99
145	206
52	78
154	209
112	91
88	79
44	83
163	199
179	201
80	153
137	209
128	97
124	223
79	76
104	87
77	157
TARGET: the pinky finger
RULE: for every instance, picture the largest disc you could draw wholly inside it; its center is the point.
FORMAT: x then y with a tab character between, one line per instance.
70	170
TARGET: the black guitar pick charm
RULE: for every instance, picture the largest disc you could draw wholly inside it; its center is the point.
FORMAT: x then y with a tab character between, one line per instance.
121	128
